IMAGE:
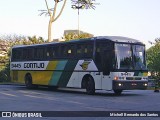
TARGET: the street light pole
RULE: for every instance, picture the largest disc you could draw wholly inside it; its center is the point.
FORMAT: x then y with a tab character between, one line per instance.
82	4
78	22
78	7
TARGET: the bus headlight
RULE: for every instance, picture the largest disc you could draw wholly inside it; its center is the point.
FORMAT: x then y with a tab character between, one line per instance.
145	84
120	84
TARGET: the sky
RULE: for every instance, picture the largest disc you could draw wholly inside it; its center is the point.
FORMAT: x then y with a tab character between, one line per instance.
138	19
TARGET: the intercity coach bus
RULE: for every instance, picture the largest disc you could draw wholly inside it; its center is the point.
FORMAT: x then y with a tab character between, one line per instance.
99	63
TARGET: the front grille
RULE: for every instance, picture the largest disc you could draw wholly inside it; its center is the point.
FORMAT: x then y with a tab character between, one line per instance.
133	78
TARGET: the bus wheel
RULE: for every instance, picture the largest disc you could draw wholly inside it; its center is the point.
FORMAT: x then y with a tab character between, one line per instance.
90	86
118	92
28	81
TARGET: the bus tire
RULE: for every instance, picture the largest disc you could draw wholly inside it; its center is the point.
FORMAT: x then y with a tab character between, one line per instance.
28	81
118	92
90	86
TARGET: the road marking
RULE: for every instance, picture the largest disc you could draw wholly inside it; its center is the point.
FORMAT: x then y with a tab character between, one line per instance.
30	92
70	101
33	96
48	98
8	94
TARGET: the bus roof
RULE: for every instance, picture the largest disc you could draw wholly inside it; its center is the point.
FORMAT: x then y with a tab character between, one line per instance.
119	39
111	38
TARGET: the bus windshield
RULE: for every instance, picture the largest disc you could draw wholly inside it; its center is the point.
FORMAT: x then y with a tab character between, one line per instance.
130	57
139	57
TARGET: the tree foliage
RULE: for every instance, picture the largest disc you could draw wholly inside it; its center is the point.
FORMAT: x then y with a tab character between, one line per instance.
9	41
73	36
153	59
88	4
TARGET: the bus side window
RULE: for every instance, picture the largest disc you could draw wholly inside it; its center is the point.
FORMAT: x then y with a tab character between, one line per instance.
52	52
67	51
16	54
70	51
30	53
25	54
88	50
39	53
49	53
63	51
84	50
55	52
79	51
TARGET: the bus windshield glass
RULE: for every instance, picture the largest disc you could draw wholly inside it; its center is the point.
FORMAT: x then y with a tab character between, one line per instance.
130	57
139	57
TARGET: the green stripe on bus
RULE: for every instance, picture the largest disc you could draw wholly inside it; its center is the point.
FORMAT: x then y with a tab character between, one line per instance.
69	68
57	74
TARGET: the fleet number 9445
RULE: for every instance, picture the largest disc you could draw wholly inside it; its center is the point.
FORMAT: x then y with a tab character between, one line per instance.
15	65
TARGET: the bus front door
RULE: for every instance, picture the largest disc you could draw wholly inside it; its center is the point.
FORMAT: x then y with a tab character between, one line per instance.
107	63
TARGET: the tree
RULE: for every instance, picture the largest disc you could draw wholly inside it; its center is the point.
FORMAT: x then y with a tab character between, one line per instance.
86	3
153	59
73	36
52	12
35	40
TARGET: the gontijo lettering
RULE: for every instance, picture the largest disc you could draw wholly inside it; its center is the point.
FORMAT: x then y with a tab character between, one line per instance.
34	65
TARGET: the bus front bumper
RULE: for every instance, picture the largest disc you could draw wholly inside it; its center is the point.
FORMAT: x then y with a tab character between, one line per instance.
129	85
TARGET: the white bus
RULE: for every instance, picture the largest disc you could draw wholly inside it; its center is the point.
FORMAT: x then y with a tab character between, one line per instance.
99	63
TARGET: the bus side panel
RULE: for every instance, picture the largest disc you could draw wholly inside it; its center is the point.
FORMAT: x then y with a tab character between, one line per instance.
68	71
71	82
51	75
78	76
41	77
57	72
38	77
16	76
107	82
97	76
63	72
85	67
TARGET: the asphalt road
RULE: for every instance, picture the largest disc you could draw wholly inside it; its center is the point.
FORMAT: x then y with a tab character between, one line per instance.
18	98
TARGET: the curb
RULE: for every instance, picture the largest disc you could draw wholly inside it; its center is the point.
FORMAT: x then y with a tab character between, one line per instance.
12	84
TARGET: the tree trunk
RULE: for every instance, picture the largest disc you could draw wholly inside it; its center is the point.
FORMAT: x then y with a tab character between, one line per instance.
59	12
53	18
50	31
